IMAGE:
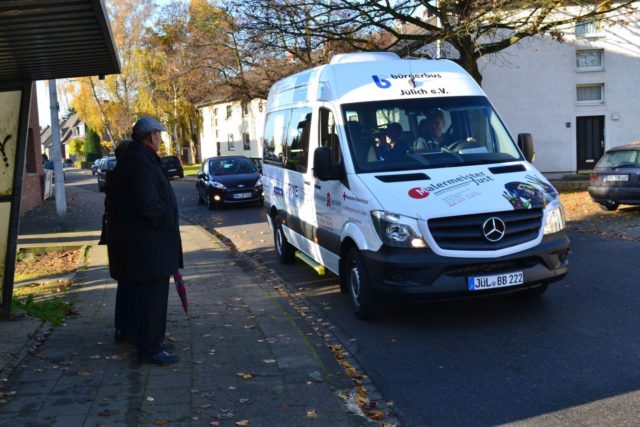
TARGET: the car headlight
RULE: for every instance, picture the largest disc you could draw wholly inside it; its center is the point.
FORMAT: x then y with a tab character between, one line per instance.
555	220
397	230
258	183
216	184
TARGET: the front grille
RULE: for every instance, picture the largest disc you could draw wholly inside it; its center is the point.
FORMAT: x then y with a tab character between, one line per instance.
464	233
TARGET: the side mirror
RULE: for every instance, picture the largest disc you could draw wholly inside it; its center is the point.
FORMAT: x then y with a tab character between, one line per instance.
525	143
203	176
322	167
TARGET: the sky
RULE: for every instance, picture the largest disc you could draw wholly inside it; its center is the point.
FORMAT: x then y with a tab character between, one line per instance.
44	112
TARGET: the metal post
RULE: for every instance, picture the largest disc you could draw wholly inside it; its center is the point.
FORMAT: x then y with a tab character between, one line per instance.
56	153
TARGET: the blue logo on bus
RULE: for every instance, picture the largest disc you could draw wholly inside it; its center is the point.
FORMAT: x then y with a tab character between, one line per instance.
381	83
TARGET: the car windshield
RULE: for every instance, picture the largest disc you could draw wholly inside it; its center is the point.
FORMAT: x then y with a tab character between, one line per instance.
620	158
167	161
423	133
230	166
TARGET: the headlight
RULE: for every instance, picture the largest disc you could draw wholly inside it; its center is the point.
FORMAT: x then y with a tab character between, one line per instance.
397	230
258	183
216	184
555	220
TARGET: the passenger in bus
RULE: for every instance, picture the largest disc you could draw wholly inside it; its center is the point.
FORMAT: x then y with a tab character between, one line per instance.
393	147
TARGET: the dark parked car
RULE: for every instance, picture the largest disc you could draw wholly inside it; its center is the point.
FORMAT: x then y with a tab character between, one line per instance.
616	178
227	180
94	166
172	166
105	166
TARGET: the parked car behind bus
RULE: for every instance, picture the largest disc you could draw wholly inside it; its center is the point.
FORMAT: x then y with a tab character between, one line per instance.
616	178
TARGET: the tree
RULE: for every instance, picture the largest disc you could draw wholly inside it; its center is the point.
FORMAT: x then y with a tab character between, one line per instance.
110	105
472	28
76	146
92	149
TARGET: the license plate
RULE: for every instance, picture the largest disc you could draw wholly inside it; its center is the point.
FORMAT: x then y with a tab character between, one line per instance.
242	195
615	178
479	283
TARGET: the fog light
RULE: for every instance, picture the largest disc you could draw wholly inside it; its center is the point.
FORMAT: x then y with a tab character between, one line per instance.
216	198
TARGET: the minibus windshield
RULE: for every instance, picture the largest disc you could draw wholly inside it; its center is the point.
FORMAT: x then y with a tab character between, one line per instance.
407	134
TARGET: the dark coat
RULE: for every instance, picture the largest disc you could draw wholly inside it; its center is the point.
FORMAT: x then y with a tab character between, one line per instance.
143	238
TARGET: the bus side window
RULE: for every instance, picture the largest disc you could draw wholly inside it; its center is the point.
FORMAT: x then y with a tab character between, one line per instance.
328	134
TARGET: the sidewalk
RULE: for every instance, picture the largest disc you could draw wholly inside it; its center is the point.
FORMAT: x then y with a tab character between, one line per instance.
247	358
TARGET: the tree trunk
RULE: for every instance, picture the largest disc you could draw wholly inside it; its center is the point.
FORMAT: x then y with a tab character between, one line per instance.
175	122
469	58
102	114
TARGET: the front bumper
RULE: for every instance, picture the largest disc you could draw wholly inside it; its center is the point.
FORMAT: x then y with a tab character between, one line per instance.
230	196
624	195
421	273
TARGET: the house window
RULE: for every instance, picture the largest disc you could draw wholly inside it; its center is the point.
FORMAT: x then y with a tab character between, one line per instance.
246	142
589	60
245	108
229	110
588	28
260	106
215	112
590	94
231	145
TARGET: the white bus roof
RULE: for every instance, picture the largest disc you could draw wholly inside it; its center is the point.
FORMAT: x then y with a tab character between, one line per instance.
372	76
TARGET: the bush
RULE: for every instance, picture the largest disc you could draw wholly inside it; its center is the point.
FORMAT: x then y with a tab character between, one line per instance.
83	165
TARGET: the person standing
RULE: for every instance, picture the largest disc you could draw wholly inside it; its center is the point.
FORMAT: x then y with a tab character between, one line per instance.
143	238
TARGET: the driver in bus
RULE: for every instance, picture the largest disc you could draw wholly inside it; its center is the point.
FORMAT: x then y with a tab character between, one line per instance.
430	132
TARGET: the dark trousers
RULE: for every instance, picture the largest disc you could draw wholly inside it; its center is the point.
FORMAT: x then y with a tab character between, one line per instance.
150	300
126	320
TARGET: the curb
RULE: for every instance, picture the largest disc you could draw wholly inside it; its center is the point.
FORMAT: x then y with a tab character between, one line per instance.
39	336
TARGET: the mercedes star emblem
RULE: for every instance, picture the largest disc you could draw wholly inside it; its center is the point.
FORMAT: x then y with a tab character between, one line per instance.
494	229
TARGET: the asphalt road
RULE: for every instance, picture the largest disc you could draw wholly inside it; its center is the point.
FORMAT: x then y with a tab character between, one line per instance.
568	358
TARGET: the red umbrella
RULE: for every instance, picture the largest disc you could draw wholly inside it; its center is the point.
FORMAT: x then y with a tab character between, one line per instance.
182	291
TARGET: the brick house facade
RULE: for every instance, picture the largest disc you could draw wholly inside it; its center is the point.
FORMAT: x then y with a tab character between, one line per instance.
32	184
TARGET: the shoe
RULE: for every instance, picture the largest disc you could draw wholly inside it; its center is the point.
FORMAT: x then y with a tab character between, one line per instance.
160	358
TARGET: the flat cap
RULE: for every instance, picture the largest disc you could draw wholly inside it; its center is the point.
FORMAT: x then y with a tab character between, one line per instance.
147	124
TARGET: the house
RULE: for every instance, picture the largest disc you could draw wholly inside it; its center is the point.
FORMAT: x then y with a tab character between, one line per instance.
32	181
577	97
232	128
72	127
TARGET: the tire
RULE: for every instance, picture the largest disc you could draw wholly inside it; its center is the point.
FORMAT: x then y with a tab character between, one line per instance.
181	175
100	188
200	199
285	252
211	204
364	302
533	292
609	206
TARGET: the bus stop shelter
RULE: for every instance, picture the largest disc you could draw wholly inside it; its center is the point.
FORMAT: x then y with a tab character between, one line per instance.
39	40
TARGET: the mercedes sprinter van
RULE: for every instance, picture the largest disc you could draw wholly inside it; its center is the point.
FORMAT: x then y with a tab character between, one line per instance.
400	177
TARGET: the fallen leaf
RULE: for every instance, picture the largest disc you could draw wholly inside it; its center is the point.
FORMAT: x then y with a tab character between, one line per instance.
311	413
161	422
269	361
108	413
245	375
242	423
84	373
150	399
